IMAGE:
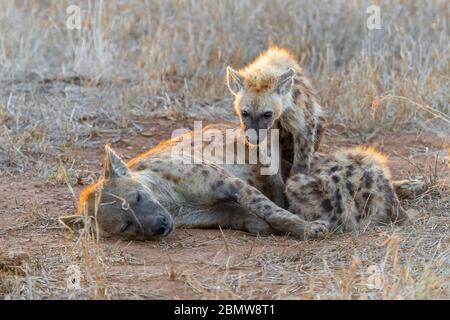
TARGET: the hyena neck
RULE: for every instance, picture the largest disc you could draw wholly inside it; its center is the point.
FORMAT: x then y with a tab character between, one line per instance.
160	188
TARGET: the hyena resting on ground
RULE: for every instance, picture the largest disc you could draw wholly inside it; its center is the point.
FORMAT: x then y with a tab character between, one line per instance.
345	189
145	198
273	92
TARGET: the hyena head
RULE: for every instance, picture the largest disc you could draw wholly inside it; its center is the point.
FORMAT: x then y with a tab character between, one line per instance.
259	102
124	207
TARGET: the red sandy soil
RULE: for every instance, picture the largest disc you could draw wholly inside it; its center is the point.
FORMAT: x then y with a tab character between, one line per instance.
29	207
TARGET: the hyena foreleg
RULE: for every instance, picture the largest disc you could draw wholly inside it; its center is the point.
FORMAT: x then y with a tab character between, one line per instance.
303	152
252	200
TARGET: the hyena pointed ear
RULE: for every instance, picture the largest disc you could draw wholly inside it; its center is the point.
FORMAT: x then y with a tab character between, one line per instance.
285	82
74	222
235	81
114	166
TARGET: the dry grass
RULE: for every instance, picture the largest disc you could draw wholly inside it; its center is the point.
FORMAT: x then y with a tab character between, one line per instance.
62	89
61	86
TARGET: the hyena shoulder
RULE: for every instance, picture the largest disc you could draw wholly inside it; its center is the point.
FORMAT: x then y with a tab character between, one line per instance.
344	189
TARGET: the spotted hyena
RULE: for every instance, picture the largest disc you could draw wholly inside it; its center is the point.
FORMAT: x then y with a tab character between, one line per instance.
152	193
273	92
344	189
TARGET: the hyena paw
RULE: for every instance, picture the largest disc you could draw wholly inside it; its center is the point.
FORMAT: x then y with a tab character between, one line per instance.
316	229
409	189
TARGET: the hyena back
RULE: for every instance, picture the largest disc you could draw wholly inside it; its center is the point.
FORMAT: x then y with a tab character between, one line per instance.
274	92
345	189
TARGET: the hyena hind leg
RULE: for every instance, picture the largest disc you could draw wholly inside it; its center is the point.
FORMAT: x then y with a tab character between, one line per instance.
409	189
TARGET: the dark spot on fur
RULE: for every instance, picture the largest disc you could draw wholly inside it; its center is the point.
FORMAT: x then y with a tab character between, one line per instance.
257	200
205	173
350	187
334	169
338	195
368	178
349	171
217	184
335	179
239	184
267	207
326	205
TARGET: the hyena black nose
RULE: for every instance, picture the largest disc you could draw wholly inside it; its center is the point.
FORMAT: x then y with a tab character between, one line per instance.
162	225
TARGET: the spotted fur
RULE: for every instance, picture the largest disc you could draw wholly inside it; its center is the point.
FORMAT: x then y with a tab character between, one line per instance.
345	189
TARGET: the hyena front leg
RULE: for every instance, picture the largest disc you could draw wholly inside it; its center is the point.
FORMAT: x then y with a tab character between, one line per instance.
303	152
277	192
252	200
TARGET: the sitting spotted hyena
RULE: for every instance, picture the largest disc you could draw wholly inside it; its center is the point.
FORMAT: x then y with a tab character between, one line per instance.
345	189
273	92
160	189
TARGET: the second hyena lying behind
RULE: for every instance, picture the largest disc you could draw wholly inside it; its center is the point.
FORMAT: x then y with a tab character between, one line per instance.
345	189
145	198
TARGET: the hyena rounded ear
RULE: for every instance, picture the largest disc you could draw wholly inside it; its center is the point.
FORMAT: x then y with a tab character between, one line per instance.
285	82
235	81
114	166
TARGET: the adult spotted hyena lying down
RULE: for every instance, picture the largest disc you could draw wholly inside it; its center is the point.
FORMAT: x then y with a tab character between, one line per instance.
160	189
346	188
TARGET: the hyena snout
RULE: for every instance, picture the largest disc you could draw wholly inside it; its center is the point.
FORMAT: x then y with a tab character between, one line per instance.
153	220
157	224
163	225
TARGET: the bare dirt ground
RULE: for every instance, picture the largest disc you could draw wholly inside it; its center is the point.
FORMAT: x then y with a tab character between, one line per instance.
37	254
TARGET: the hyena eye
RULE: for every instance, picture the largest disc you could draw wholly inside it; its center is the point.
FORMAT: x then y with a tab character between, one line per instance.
268	115
244	114
138	197
125	227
